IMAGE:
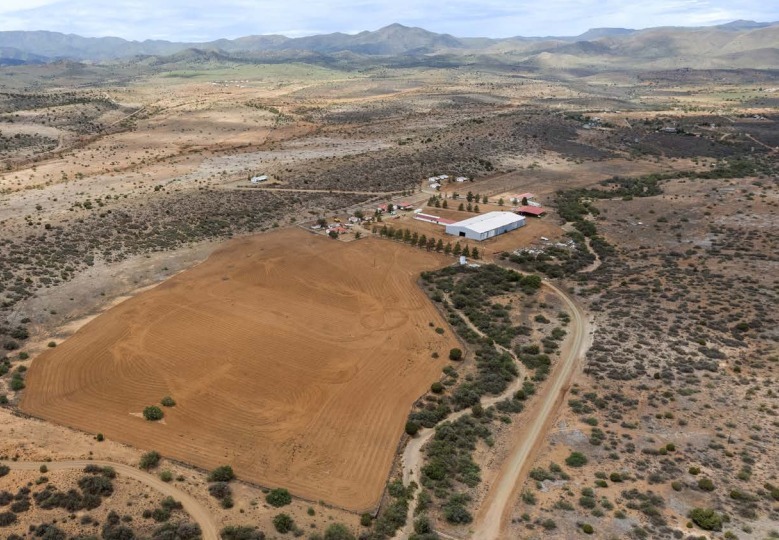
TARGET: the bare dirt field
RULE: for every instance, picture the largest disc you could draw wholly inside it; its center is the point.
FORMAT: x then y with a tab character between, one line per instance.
282	353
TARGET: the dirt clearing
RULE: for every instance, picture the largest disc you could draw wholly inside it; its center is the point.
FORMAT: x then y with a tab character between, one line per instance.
291	357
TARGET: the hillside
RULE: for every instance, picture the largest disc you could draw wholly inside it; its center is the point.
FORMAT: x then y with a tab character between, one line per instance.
731	46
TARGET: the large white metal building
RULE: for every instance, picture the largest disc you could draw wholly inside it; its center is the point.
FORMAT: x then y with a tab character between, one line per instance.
486	225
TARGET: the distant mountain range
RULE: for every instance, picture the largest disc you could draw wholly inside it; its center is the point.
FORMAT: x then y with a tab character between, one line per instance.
746	44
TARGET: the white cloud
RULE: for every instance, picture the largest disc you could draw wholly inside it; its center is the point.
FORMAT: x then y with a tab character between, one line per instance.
198	20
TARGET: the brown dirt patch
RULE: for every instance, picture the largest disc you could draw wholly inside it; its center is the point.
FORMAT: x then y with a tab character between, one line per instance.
291	357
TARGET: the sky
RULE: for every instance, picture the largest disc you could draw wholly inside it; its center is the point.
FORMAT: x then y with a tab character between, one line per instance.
207	20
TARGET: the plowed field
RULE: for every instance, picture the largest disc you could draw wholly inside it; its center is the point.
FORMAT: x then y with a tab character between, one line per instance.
292	357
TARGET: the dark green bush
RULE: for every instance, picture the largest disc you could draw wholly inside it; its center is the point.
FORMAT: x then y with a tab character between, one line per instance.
232	532
279	497
149	460
337	531
153	413
283	523
223	473
706	518
576	459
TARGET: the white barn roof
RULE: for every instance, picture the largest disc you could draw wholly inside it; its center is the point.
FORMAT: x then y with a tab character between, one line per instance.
489	221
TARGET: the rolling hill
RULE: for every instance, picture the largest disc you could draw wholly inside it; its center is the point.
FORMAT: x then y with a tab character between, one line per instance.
739	44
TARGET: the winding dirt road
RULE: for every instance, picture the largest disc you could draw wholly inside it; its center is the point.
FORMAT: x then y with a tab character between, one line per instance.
196	511
501	495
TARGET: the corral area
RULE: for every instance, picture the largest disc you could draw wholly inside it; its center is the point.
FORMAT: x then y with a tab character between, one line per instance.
291	357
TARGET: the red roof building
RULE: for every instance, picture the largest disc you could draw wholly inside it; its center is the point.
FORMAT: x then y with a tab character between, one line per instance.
535	211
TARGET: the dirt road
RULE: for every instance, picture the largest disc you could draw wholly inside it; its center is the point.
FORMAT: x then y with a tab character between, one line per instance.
501	494
196	511
497	504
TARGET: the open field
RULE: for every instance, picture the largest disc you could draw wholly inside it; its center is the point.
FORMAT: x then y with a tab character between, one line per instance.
291	357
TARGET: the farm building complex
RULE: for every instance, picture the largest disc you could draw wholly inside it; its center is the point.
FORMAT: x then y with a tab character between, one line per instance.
486	225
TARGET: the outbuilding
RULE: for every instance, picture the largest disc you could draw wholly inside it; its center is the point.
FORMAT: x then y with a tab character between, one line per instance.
486	225
535	211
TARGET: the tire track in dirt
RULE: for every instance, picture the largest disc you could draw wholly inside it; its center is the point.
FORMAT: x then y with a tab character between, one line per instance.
489	521
497	504
195	510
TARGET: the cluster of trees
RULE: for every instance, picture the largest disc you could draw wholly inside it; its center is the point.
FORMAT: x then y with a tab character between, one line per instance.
422	241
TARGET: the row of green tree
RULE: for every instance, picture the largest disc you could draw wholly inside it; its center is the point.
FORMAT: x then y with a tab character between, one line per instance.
422	241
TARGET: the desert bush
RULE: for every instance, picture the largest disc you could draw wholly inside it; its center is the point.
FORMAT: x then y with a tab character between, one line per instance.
4	469
177	531
153	413
96	485
576	459
412	428
706	484
338	531
233	532
279	497
283	523
223	473
7	518
455	511
167	401
149	460
47	531
219	490
20	506
455	354
706	518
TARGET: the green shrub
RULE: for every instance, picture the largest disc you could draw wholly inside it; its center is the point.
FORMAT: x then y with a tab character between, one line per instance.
283	523
706	484
706	518
166	476
437	387
278	497
587	529
576	459
455	354
455	510
412	428
167	401
337	531
232	532
149	460
7	518
615	477
223	473
153	413
366	520
17	382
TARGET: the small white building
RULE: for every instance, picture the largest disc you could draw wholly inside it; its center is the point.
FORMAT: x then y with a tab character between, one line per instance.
486	225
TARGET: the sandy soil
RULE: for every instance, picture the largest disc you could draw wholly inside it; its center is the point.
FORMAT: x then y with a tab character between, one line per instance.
283	364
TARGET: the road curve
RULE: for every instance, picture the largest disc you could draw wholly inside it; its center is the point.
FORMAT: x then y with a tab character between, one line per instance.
196	510
501	494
